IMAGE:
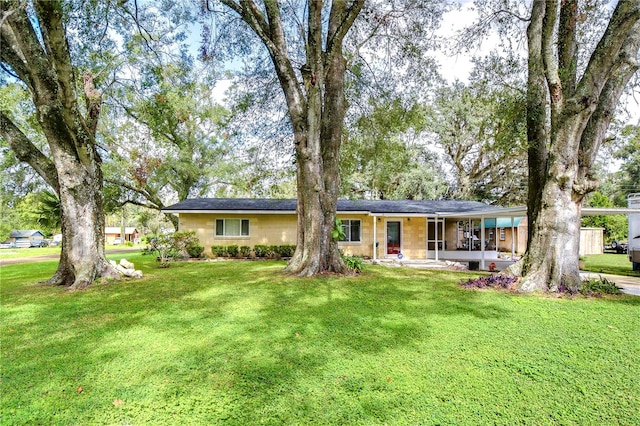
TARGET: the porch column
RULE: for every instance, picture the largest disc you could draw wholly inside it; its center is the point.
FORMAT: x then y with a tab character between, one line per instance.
482	239
426	238
375	236
436	237
513	239
444	233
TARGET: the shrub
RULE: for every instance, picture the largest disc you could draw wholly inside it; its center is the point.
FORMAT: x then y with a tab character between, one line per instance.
195	251
286	250
260	250
245	251
491	281
128	244
232	250
273	252
218	251
596	287
183	240
354	263
165	246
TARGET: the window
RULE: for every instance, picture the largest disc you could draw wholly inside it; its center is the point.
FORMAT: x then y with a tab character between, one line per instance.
232	227
502	237
351	228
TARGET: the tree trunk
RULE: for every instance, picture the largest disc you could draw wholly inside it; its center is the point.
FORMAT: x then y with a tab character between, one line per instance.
567	120
73	166
552	255
316	108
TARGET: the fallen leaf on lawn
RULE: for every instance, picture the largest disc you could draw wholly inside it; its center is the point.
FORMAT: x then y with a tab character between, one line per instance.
389	379
118	402
11	330
80	389
297	335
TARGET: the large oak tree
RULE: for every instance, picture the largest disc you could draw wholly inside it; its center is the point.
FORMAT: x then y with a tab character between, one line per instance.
34	47
316	106
570	105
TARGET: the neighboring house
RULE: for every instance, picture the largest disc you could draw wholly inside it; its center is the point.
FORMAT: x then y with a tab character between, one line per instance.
407	229
112	234
26	238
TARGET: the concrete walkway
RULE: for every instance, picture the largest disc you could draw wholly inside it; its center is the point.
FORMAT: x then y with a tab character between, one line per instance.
629	285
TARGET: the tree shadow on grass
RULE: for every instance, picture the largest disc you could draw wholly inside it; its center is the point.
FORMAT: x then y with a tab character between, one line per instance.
241	335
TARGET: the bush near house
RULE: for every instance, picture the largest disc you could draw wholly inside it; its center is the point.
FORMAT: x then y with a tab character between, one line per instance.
261	250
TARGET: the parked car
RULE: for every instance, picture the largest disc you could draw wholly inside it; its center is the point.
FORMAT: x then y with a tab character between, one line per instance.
7	245
621	247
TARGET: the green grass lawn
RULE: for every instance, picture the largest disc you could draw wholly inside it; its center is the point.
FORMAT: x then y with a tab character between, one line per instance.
239	343
616	264
42	251
28	252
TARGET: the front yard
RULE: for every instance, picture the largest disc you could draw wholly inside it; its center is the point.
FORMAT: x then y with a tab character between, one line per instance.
239	343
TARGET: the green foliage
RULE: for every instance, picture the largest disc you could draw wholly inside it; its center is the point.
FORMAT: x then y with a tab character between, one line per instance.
354	263
261	250
337	233
481	128
628	178
286	250
615	226
273	252
232	250
165	247
599	286
242	343
195	251
218	251
171	247
381	159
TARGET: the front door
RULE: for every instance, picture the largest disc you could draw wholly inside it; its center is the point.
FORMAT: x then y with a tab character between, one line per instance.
393	237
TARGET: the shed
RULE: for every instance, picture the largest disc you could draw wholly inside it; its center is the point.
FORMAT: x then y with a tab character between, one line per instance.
591	241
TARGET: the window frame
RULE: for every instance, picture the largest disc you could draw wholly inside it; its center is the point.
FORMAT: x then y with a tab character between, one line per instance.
224	227
347	233
503	234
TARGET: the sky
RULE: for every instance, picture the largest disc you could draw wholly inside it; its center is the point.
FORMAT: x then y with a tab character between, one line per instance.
459	66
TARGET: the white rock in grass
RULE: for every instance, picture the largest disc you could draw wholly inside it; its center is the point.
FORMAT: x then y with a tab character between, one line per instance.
126	264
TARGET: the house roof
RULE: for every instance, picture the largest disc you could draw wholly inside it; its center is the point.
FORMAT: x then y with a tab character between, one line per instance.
262	205
25	233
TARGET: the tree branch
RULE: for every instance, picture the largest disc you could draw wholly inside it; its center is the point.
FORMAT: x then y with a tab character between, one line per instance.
49	14
342	23
624	18
27	152
549	58
567	45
